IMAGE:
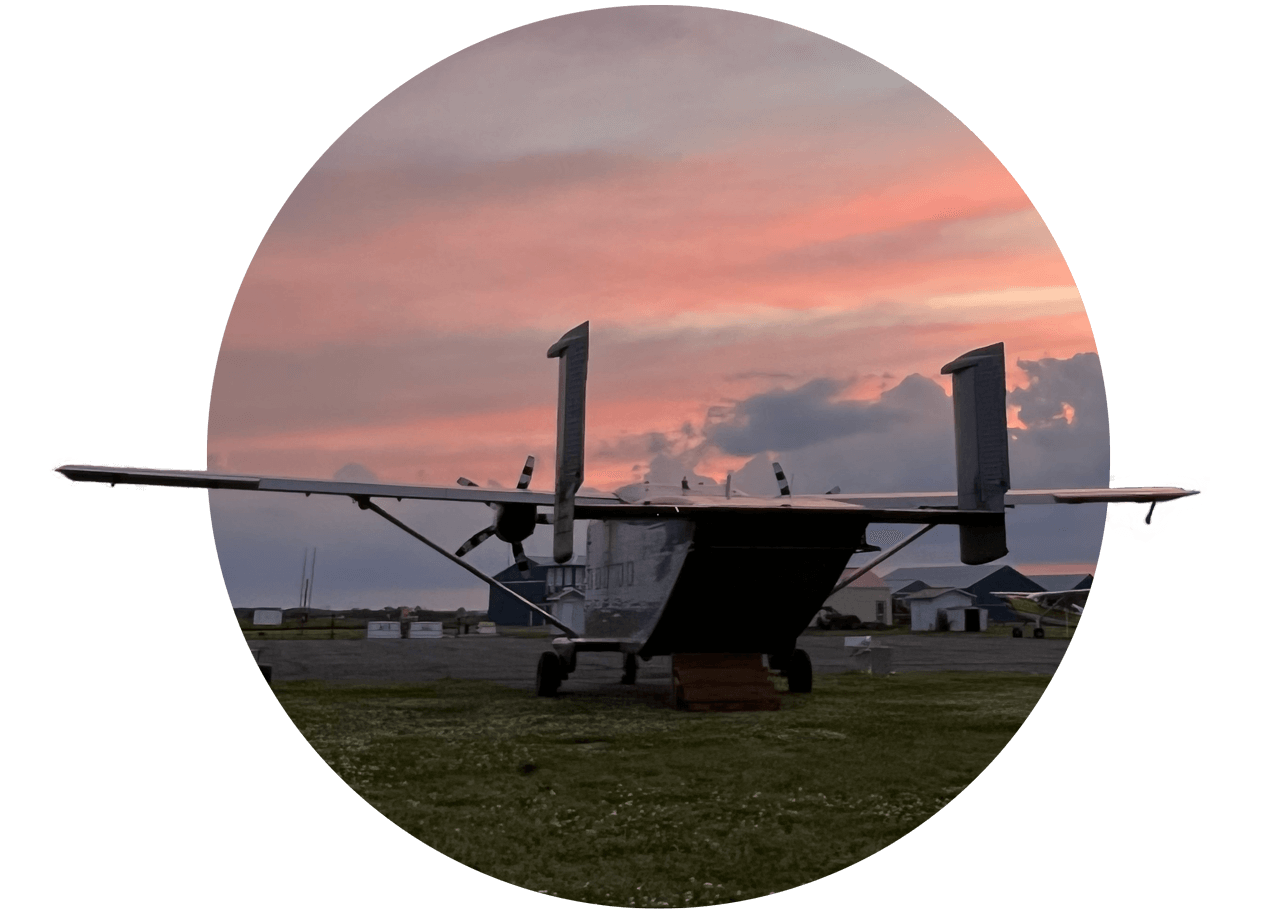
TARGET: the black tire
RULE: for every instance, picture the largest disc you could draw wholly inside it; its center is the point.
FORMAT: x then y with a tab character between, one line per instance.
266	671
1017	632
550	674
629	668
799	672
1037	632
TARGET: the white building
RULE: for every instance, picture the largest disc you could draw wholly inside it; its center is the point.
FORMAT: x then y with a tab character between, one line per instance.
868	598
930	606
568	605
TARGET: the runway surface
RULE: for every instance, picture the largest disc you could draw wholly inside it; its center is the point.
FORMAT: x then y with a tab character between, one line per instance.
512	661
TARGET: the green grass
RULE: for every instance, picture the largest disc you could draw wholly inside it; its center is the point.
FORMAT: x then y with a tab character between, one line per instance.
619	802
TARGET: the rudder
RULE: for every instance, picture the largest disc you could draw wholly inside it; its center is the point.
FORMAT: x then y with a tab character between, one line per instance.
982	448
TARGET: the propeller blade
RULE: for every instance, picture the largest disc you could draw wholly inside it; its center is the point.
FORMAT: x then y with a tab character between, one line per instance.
527	474
478	538
463	481
783	488
522	561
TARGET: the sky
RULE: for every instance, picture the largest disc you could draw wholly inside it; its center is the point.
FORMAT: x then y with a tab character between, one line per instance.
777	241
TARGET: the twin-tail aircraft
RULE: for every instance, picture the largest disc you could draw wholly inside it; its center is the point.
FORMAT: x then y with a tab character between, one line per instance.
704	573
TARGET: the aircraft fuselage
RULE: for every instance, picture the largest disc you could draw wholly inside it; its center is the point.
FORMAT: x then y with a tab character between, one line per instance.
723	581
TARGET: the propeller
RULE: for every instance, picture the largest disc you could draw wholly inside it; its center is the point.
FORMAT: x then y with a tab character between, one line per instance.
785	490
512	522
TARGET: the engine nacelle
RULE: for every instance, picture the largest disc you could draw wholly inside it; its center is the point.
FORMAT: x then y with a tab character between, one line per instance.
513	522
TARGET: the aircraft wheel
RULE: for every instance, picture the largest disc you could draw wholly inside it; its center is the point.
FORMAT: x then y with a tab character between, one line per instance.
629	668
265	670
550	673
1038	632
800	672
1017	632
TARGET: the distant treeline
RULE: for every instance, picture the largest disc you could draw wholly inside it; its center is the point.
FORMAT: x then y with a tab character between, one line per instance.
245	614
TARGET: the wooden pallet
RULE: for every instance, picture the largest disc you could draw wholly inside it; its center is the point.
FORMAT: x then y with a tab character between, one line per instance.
723	683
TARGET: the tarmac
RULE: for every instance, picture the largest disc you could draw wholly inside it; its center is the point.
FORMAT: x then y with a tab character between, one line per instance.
512	661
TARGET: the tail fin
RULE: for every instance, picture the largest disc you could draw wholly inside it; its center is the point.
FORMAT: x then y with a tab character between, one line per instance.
982	448
571	425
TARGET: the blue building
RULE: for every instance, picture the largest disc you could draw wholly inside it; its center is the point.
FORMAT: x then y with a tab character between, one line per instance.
547	584
1074	582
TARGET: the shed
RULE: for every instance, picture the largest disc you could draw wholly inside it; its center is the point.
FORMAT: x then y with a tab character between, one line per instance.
569	606
930	606
980	581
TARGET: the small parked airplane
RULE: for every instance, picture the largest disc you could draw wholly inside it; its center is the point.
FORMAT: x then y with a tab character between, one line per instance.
695	571
1066	603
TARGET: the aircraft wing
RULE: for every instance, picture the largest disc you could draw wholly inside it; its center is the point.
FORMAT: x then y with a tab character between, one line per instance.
1043	595
206	479
1143	494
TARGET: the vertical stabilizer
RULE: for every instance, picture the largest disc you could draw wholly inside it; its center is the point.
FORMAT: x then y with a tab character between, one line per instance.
571	423
982	448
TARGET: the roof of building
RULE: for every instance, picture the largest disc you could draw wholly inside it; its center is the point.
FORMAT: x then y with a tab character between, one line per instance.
1072	582
550	561
926	593
566	592
868	579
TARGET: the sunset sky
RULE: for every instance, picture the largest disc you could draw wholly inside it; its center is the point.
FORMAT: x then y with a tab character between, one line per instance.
777	241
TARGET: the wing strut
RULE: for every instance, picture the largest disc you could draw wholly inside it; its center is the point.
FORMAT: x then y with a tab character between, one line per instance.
882	557
367	505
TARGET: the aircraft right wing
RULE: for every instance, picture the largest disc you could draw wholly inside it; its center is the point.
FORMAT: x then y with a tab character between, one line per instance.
206	479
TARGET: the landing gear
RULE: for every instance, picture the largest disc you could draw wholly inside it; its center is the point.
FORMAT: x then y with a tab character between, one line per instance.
1037	633
799	671
1017	632
550	674
629	668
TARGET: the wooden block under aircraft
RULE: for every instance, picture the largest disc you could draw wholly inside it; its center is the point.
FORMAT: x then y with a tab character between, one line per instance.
706	682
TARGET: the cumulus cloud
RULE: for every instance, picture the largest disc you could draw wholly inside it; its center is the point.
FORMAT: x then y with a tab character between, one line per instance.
354	472
782	419
1067	439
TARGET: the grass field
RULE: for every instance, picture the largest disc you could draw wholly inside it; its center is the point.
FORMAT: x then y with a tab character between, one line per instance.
620	802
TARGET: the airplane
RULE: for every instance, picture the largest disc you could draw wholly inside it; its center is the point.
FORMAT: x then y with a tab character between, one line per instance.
704	574
1068	603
